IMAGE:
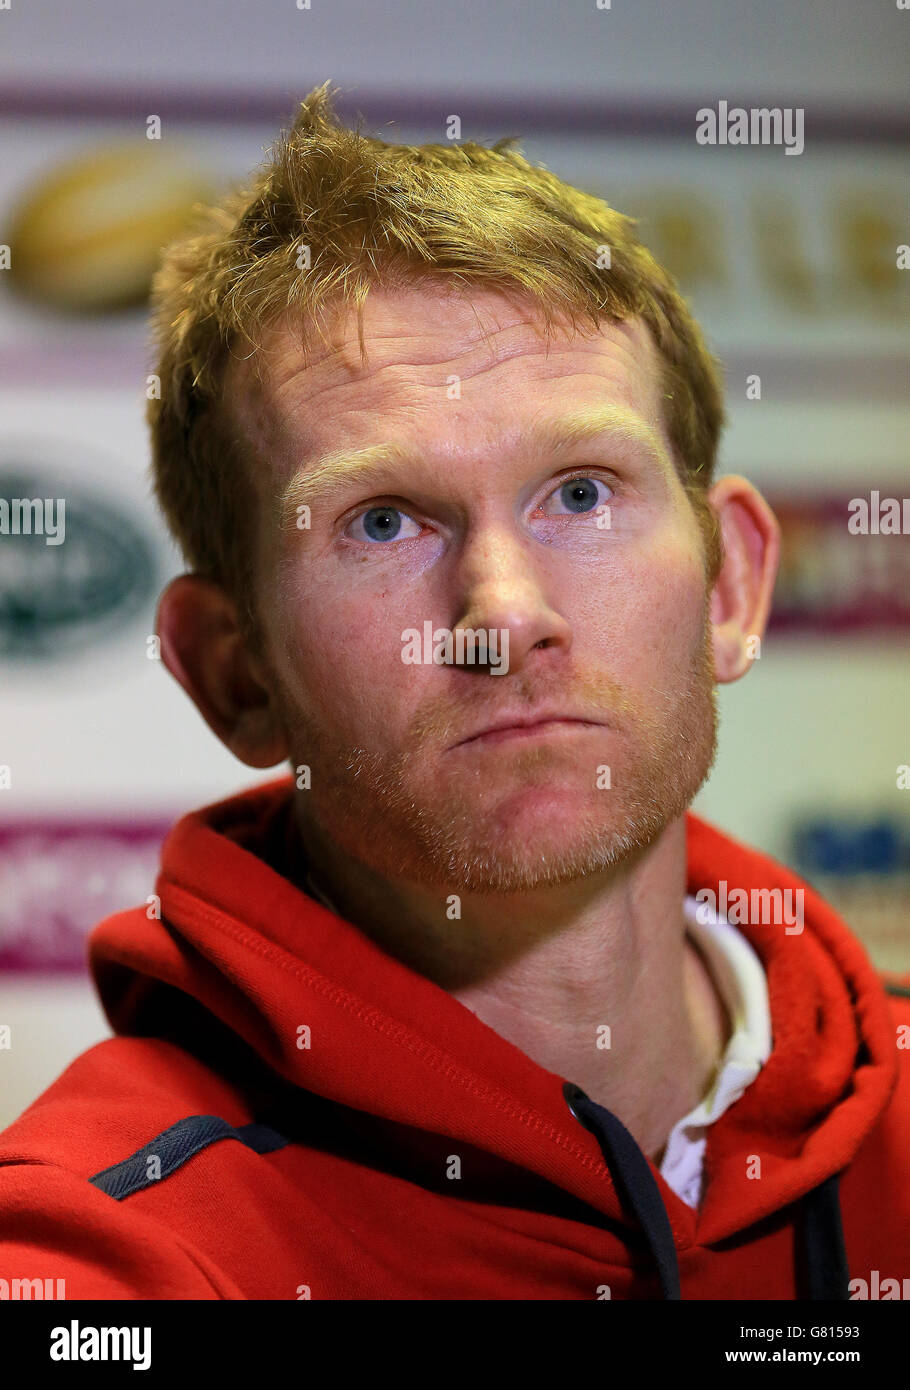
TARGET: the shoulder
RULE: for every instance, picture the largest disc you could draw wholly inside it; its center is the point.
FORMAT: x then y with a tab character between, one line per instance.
113	1099
65	1158
895	1118
875	1188
897	990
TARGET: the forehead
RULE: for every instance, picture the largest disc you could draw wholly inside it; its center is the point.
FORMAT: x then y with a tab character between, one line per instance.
418	341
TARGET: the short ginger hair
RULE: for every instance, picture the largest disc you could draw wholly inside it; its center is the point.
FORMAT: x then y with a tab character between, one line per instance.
373	212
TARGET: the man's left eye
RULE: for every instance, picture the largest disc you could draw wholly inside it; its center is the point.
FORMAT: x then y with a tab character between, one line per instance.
580	495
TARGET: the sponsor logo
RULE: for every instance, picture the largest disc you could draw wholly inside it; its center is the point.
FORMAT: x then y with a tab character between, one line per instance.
75	566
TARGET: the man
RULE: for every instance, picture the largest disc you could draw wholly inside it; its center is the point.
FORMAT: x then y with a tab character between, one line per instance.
446	1013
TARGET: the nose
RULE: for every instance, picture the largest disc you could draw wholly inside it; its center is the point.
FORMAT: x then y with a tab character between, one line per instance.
503	587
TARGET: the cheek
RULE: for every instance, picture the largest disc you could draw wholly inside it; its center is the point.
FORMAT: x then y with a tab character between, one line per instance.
340	653
649	614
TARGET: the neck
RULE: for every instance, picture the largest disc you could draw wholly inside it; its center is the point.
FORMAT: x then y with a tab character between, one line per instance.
596	980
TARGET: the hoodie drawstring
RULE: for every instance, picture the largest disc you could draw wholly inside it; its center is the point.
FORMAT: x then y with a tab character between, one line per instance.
827	1275
633	1180
826	1272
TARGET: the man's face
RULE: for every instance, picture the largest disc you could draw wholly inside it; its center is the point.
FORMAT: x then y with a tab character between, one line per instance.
606	613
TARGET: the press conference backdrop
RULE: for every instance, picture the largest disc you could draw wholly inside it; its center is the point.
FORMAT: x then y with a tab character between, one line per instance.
793	267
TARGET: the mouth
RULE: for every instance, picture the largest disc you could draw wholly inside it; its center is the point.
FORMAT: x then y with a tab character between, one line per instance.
557	725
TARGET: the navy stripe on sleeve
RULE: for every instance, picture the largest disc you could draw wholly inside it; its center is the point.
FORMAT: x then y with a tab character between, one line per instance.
175	1146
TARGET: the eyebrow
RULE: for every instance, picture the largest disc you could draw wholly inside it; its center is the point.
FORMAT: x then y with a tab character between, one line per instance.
328	475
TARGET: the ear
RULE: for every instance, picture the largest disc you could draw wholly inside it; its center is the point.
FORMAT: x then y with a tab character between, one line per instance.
204	649
741	598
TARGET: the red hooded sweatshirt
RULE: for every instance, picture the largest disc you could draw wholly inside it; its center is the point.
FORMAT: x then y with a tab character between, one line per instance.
288	1112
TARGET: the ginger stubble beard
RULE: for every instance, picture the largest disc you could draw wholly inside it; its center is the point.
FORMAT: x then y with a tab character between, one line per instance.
411	815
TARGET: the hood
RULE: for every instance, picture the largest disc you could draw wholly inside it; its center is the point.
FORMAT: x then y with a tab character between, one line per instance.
263	959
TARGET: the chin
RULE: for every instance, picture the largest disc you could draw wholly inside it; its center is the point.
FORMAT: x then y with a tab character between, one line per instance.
540	840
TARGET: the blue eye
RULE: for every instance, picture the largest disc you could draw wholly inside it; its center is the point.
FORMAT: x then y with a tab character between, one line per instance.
384	524
581	495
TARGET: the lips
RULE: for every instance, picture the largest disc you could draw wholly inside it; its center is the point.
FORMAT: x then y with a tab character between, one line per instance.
526	727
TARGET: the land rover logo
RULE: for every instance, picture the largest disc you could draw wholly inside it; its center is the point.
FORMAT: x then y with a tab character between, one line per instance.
69	574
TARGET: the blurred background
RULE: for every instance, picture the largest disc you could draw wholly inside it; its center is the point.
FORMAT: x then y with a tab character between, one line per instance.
115	119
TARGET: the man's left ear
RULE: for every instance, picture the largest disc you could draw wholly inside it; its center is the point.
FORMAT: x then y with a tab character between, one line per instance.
741	598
